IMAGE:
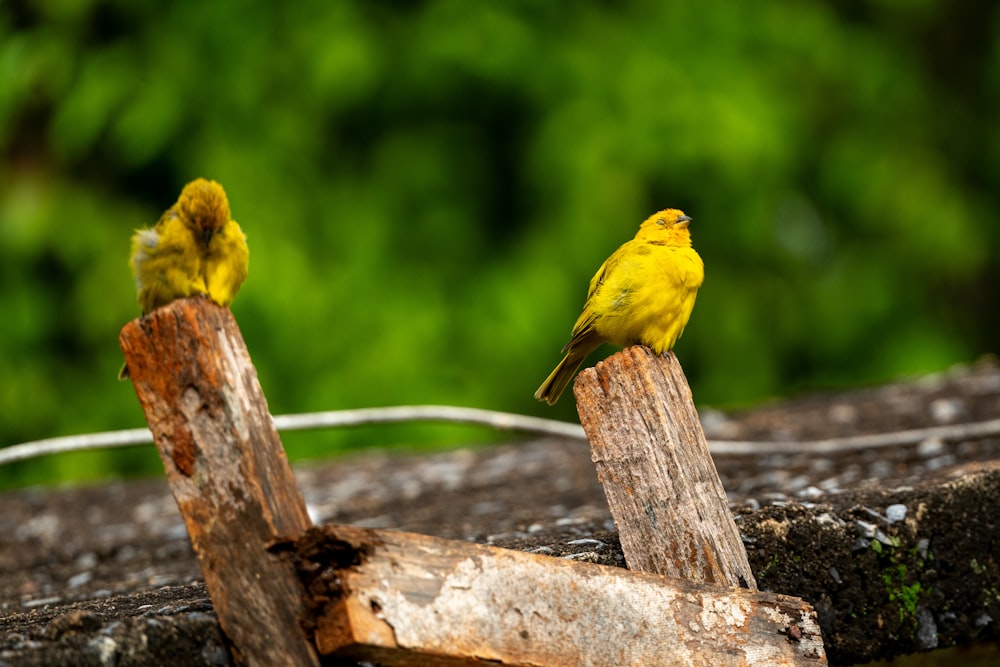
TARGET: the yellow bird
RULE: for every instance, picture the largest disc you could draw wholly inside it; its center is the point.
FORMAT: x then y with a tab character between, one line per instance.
643	294
195	248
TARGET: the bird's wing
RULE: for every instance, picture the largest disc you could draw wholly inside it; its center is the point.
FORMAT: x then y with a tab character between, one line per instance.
599	277
168	215
584	326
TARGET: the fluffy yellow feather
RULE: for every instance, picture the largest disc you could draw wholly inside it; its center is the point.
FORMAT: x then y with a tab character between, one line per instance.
643	294
195	248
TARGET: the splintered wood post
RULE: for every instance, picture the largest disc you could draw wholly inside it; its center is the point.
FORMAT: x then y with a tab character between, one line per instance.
406	600
658	475
227	471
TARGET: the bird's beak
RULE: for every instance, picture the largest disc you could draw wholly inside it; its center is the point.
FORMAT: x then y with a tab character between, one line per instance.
206	234
682	221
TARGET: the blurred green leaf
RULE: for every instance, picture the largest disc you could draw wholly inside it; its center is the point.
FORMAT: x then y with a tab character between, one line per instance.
427	188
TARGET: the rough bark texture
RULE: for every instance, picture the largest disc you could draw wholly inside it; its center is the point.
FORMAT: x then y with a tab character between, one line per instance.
652	458
409	600
227	470
891	571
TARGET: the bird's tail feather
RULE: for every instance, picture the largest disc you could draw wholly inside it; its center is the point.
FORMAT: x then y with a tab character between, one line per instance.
557	381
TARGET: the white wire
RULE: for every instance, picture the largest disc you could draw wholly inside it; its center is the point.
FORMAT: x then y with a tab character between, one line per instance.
511	422
307	421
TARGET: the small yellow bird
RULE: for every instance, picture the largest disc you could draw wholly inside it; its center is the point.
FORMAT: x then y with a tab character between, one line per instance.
643	294
195	248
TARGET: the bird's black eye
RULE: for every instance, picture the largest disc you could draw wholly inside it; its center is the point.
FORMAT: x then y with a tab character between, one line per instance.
661	222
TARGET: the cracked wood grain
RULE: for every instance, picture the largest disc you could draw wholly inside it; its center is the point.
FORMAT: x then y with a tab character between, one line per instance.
652	459
404	600
227	471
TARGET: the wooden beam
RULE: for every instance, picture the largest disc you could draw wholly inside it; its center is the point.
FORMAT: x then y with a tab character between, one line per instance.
653	460
227	471
401	599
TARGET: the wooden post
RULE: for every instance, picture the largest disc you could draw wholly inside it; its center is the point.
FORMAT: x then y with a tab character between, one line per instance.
399	599
660	480
408	600
227	471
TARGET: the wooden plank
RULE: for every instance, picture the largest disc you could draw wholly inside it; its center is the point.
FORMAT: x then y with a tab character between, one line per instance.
401	599
227	471
658	475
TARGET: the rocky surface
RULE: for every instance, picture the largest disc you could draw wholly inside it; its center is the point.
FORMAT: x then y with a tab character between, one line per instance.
895	547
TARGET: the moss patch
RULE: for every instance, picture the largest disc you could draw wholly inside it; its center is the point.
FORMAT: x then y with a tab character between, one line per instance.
931	580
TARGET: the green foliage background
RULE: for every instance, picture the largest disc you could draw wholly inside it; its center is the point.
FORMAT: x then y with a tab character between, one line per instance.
427	187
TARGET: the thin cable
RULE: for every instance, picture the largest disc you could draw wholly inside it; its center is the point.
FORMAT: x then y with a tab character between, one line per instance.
509	422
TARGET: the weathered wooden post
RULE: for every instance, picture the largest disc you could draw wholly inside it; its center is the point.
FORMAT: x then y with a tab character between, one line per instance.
653	460
227	471
410	600
285	592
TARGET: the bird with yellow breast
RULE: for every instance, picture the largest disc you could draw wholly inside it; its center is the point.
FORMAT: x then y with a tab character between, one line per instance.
195	248
643	294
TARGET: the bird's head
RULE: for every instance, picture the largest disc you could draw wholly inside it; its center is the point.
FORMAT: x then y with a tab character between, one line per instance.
204	207
666	227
